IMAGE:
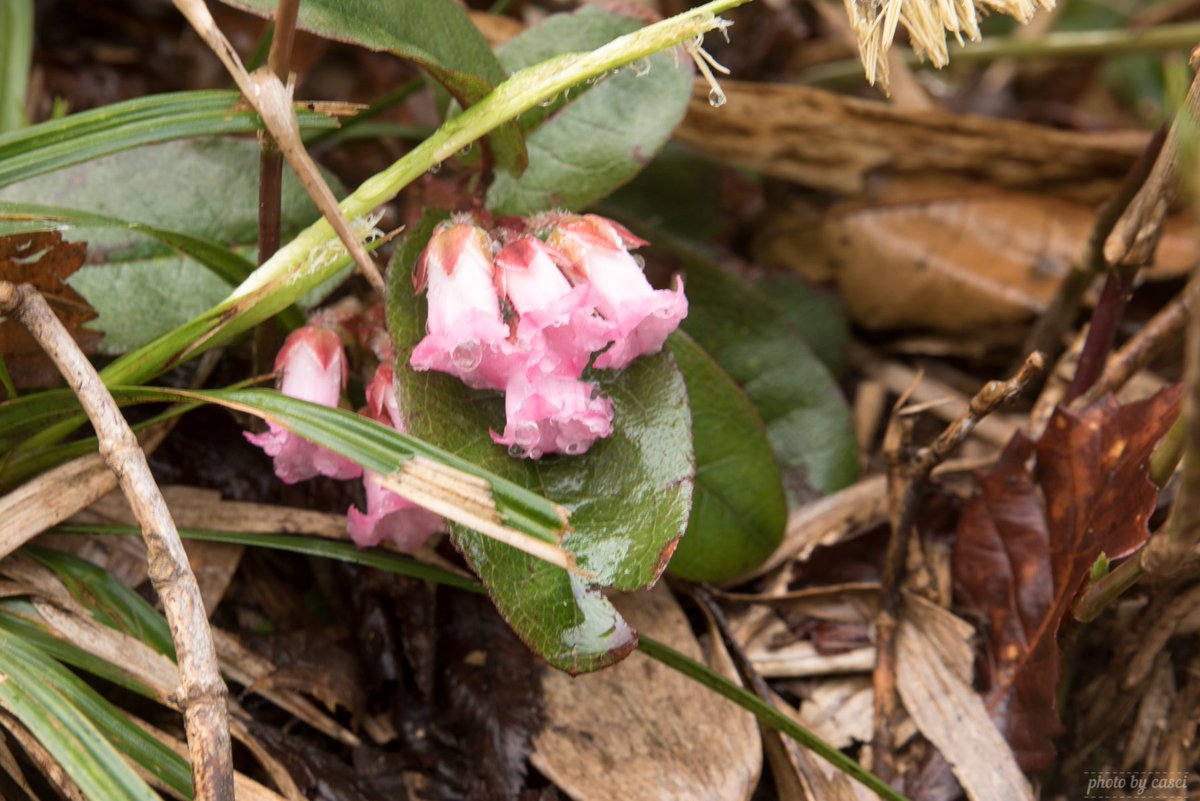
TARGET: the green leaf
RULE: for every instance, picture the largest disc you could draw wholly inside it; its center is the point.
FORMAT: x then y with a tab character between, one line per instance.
603	137
52	715
808	420
436	34
740	509
110	601
81	137
16	49
629	496
816	317
679	192
19	617
309	546
200	196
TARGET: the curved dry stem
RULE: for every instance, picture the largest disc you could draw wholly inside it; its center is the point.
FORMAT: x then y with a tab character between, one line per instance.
202	693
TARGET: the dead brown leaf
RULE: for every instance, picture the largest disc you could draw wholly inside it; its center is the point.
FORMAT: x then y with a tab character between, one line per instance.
637	731
1018	567
839	144
44	260
949	261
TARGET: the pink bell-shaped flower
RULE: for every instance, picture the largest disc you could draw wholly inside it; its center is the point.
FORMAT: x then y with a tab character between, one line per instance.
598	255
311	366
466	333
548	413
558	324
388	515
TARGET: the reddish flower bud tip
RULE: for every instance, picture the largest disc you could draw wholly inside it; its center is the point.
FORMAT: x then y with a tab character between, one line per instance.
466	333
312	367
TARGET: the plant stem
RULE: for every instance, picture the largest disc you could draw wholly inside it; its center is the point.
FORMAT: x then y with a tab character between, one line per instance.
16	49
1067	44
202	694
307	260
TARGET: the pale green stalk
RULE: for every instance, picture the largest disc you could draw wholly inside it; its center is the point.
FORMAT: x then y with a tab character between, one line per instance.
16	48
299	266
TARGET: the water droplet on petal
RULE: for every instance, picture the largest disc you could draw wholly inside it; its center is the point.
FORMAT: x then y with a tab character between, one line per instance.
467	355
516	451
641	261
641	67
527	435
574	448
716	98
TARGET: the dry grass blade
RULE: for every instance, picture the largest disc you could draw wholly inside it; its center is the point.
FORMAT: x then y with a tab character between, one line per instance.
467	499
933	676
201	691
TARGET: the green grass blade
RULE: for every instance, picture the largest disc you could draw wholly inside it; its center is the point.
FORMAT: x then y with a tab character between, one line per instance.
111	602
308	546
158	118
16	49
52	714
19	618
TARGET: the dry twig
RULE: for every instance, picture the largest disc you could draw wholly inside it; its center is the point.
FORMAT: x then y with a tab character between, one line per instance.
907	481
272	99
202	694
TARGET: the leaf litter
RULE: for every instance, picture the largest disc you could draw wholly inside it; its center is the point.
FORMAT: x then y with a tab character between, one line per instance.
362	685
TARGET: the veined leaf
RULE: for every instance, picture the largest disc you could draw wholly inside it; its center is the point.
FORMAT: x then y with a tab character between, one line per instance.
110	601
604	137
740	508
629	496
436	34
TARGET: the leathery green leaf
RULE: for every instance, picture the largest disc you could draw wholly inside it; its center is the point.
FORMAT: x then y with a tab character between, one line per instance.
629	496
740	509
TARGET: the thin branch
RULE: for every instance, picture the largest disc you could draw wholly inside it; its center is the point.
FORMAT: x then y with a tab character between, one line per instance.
1047	333
906	487
270	165
272	99
202	694
1157	334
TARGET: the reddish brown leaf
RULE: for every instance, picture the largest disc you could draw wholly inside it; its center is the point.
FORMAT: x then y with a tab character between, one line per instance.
45	261
1019	567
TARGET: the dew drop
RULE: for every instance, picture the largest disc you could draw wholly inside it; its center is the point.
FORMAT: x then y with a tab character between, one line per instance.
516	451
527	435
548	102
641	261
641	67
466	150
433	168
467	355
574	448
716	97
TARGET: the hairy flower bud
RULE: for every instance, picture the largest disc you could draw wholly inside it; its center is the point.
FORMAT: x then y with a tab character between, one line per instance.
388	515
466	333
311	366
548	413
598	256
558	326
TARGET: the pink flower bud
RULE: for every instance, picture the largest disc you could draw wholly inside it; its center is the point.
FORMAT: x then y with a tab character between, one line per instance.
311	366
466	333
558	325
548	413
598	255
388	515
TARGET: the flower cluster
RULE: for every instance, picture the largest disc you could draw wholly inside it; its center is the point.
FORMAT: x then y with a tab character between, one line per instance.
524	307
311	366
